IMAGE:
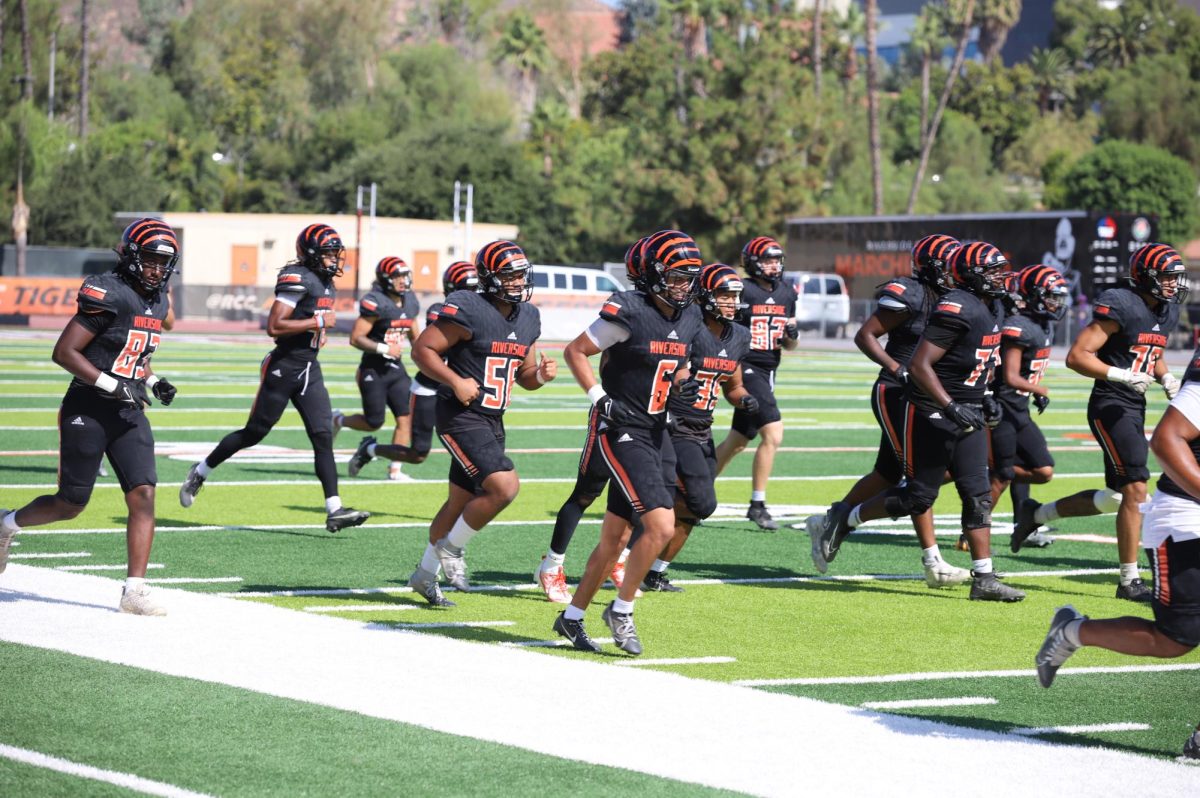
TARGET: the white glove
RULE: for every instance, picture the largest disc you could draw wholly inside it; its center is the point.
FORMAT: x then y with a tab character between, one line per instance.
1170	385
1137	380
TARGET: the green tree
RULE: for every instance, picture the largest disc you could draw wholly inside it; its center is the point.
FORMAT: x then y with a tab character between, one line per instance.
1156	102
522	47
1052	77
996	19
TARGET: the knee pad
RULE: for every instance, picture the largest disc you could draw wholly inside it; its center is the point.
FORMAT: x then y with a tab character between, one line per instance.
977	512
701	506
1008	473
375	420
75	495
904	501
322	441
1106	501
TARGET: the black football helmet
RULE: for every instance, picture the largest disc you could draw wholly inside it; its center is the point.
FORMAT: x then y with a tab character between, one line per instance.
980	268
460	276
386	272
717	277
671	261
930	258
501	259
315	243
147	242
1151	269
1045	292
635	268
755	252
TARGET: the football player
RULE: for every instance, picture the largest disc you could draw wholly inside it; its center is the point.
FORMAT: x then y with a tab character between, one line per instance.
904	305
769	311
459	276
1121	349
647	337
950	371
1171	536
107	347
299	321
387	317
480	345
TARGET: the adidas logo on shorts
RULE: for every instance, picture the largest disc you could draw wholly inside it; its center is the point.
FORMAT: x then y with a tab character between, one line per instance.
624	438
368	378
277	373
77	422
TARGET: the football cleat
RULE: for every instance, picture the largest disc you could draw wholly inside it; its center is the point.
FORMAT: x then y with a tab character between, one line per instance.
191	486
1056	648
1191	749
360	457
574	631
624	632
988	587
553	582
345	517
426	586
396	474
759	514
815	526
618	577
138	602
834	529
962	544
657	581
1025	525
338	421
101	471
6	536
454	564
1038	540
942	574
1136	590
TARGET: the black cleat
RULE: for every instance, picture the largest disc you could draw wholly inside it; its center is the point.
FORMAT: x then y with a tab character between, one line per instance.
758	514
574	631
836	529
624	632
1136	590
1056	648
360	457
658	581
1024	526
987	587
345	517
425	585
1191	749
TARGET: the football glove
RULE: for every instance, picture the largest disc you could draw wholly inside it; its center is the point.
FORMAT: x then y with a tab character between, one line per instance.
749	404
688	390
612	411
965	417
991	412
131	392
1170	385
901	375
791	331
1041	403
1136	380
164	392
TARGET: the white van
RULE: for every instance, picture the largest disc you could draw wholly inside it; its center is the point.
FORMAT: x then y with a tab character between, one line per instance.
569	298
824	303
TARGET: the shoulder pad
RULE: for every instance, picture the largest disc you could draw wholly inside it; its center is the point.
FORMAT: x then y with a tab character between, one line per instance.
290	281
1113	305
901	294
618	307
459	307
368	304
100	293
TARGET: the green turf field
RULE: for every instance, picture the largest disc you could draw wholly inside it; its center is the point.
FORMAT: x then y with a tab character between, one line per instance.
753	611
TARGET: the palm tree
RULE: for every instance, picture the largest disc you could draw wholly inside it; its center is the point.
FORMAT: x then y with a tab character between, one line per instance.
1117	40
26	79
1053	77
850	28
996	19
928	41
522	46
549	122
84	70
692	17
873	107
816	51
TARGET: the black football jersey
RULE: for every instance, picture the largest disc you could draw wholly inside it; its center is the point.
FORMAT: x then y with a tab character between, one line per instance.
431	315
390	321
969	331
1139	343
766	312
910	297
639	371
311	292
1034	339
1165	483
127	326
495	351
712	362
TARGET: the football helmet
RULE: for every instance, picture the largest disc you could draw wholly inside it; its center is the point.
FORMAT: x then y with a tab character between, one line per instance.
1158	270
635	268
386	272
980	268
762	249
496	264
1045	291
671	261
148	242
315	244
719	277
460	276
930	257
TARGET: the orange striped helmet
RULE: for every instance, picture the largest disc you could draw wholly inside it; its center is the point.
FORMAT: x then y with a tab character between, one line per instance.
460	276
1044	290
504	259
760	249
635	268
148	237
930	257
980	268
315	243
1151	269
671	262
387	270
719	277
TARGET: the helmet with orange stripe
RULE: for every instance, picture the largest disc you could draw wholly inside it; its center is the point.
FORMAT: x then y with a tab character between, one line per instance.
504	272
1044	290
460	276
1158	270
147	255
930	257
720	291
388	275
762	258
671	262
320	248
980	268
635	268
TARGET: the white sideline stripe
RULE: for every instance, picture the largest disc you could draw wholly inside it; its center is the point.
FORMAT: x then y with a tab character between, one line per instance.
126	780
633	663
933	676
102	567
763	745
49	555
1096	727
919	703
362	608
603	641
385	627
194	580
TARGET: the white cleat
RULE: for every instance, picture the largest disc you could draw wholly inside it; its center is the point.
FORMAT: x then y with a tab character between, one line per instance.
395	474
553	583
337	421
138	602
191	486
6	536
815	526
942	574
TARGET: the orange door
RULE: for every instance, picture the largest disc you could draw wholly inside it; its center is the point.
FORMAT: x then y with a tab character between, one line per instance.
243	265
426	276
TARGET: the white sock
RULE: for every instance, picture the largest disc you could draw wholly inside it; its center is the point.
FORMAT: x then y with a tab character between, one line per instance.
1129	572
623	607
1047	512
661	566
573	613
430	561
624	556
135	584
931	554
1071	632
371	449
983	566
202	468
333	504
853	519
1106	501
395	466
461	533
553	560
10	521
758	496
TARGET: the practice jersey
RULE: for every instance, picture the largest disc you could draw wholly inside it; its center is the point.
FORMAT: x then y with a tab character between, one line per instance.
497	347
391	321
1033	338
640	370
1190	377
766	313
910	297
306	293
1139	342
712	362
969	331
127	326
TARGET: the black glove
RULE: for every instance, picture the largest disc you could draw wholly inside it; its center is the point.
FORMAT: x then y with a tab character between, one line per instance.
688	390
164	392
131	392
791	331
749	404
1041	403
991	412
967	418
901	375
614	412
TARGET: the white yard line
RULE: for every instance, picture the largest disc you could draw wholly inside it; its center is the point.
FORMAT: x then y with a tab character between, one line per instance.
50	555
560	643
1092	729
921	703
153	565
363	607
933	676
678	661
125	780
194	580
417	627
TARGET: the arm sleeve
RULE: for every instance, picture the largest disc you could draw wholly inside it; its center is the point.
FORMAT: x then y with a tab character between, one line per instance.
1188	403
604	333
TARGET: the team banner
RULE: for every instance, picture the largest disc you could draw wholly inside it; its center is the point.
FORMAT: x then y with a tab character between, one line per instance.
38	296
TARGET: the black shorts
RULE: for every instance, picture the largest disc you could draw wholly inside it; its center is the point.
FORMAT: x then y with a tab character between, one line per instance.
888	404
287	378
90	426
760	383
475	442
941	447
593	474
1176	567
696	469
641	463
1120	429
383	389
424	415
1017	440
